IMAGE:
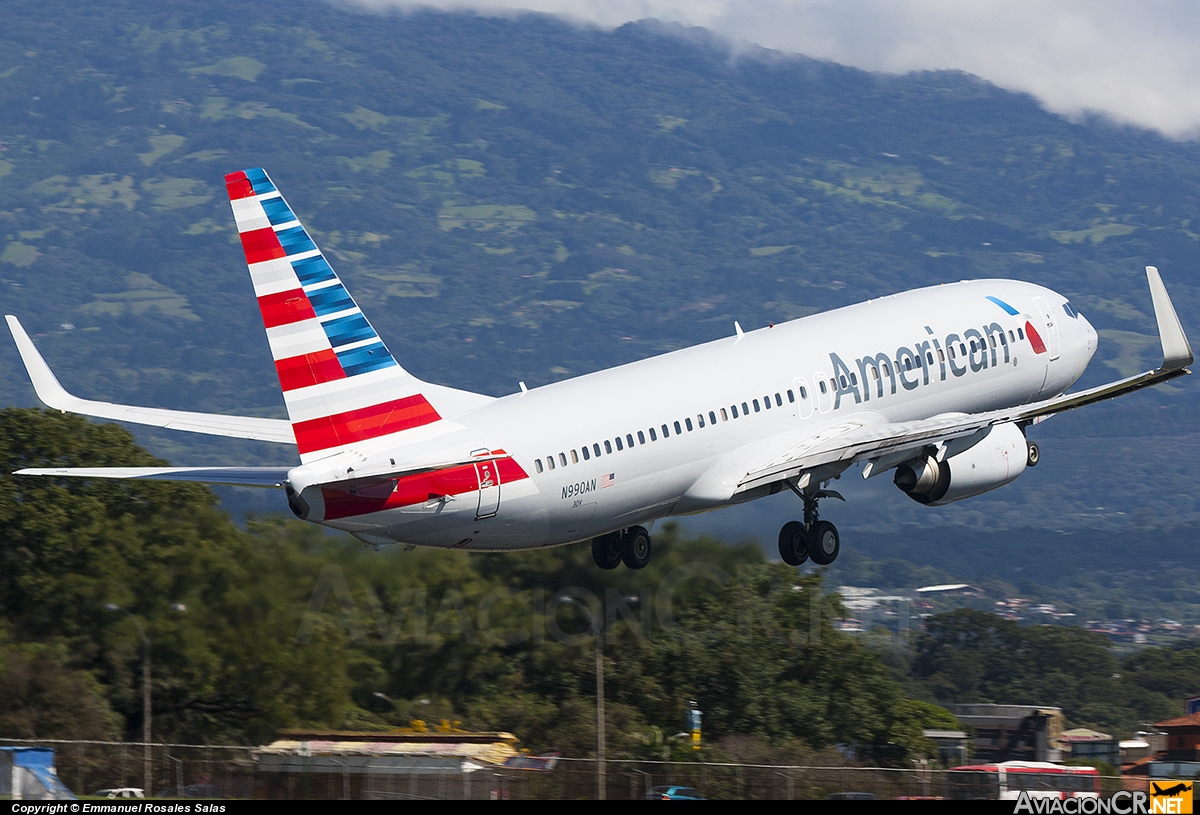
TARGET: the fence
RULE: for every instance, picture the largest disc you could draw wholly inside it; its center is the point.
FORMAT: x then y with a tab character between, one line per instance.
223	771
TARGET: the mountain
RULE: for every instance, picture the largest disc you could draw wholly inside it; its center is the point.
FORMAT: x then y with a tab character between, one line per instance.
521	199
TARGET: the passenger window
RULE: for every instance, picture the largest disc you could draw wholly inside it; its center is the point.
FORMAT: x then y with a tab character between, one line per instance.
803	392
929	357
618	441
653	437
887	370
734	409
574	457
550	460
767	402
678	429
854	379
951	352
745	409
962	348
1011	337
724	415
642	438
908	363
586	453
666	432
712	417
562	457
608	447
1003	341
629	440
700	420
792	396
756	407
1021	333
687	423
941	355
822	385
596	450
992	340
778	400
537	464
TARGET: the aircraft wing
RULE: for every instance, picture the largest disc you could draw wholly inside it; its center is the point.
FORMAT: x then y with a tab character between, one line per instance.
46	385
235	476
884	445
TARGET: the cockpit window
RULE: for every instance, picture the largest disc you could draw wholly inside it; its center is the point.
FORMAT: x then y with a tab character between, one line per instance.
1070	309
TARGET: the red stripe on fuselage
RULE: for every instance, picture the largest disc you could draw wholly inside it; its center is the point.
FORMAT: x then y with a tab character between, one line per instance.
1035	339
261	244
410	490
364	423
285	307
309	369
238	186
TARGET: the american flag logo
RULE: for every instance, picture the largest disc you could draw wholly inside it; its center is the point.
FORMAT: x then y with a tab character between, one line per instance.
607	481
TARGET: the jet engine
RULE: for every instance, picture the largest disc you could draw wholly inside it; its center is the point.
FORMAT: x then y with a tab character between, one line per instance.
992	462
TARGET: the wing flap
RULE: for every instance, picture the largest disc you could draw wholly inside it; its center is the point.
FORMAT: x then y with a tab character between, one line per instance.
53	395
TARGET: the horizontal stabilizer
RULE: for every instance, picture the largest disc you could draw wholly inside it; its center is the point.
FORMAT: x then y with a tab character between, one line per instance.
52	394
235	476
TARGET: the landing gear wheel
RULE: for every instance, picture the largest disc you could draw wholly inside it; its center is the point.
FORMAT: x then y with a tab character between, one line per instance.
823	543
606	550
635	548
793	545
1033	454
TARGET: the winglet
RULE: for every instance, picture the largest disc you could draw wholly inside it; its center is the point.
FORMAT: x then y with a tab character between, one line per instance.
45	383
1177	353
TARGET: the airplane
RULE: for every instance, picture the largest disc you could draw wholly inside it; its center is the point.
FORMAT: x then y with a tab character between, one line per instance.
938	385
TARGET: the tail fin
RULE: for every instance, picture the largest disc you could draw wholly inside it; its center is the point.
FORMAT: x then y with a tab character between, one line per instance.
340	383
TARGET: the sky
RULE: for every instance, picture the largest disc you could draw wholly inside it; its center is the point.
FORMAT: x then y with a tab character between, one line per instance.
1136	63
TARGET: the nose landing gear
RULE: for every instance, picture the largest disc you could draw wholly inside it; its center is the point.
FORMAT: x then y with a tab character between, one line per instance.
814	539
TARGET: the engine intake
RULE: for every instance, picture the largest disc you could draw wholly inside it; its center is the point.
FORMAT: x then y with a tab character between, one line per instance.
992	462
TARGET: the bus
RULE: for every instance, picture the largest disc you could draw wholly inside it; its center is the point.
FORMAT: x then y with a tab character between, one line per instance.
1006	781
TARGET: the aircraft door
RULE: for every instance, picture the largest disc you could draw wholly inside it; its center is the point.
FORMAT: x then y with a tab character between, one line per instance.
804	397
1053	343
822	392
489	489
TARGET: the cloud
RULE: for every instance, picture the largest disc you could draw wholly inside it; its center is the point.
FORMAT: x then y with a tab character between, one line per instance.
1137	63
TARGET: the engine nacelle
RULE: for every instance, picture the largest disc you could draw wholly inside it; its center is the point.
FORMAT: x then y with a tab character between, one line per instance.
990	463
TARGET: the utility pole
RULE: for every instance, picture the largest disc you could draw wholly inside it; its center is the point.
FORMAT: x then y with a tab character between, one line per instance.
147	708
601	784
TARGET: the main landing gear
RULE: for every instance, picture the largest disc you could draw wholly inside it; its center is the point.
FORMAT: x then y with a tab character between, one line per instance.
629	546
814	539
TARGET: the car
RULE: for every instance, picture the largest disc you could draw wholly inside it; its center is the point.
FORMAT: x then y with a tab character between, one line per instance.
120	792
673	793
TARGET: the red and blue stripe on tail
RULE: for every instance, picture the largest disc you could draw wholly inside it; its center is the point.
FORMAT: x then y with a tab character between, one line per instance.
340	383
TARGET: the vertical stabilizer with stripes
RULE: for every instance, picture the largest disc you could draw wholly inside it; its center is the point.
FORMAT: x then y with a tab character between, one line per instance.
340	383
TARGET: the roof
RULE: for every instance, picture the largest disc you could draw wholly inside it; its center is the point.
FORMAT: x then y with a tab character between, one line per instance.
943	734
1083	734
1191	720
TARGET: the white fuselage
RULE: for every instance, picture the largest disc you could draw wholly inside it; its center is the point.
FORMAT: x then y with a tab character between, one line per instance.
883	360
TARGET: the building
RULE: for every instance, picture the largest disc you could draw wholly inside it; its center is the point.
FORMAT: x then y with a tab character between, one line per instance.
1082	744
390	765
1181	759
1013	732
27	773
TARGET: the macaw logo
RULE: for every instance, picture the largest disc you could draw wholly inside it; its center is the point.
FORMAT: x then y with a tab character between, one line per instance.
975	350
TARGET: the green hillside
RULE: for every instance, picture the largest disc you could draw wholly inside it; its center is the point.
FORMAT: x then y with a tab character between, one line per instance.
520	199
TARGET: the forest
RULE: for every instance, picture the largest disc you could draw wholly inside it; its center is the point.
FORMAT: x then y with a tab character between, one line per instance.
281	625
